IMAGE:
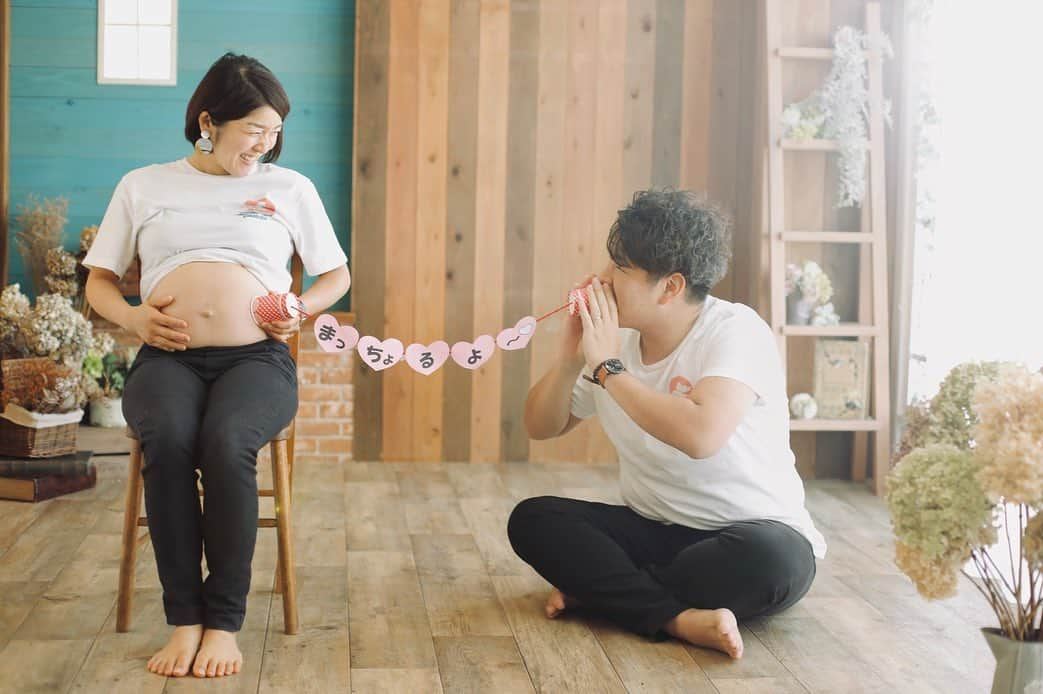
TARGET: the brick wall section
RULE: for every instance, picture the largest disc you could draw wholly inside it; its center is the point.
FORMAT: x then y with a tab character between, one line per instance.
325	427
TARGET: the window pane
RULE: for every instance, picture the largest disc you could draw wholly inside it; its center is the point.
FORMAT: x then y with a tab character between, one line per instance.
121	52
154	11
155	53
121	11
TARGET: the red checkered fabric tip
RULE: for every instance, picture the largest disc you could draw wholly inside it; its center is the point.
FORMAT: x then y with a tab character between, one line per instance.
277	307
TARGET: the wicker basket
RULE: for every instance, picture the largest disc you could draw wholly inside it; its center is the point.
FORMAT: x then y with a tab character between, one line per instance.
29	442
19	378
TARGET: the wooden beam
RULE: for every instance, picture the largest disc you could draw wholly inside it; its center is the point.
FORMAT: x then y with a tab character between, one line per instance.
5	133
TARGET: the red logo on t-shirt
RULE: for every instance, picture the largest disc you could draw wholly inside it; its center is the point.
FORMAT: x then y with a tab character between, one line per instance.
679	385
262	205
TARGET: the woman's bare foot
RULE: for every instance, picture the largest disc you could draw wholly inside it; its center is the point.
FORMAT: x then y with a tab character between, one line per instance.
218	655
174	659
715	629
558	602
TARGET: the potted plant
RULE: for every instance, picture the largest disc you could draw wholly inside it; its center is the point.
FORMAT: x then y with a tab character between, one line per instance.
808	291
975	464
105	369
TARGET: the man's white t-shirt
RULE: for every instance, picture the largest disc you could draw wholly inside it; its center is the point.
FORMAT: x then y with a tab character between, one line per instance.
754	475
172	214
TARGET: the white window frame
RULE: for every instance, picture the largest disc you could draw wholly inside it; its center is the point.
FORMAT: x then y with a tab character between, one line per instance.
170	82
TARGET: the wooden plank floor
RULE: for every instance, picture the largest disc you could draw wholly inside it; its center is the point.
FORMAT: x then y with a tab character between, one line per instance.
407	584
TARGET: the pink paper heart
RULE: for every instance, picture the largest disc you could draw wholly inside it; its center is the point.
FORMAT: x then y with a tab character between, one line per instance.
517	337
334	337
426	359
379	355
471	355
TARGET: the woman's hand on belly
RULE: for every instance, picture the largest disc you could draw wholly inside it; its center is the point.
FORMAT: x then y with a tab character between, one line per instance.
158	329
214	300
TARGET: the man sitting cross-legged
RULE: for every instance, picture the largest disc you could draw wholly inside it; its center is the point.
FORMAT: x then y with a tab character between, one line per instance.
690	390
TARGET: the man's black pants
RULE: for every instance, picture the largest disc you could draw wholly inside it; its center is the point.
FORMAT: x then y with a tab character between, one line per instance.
642	573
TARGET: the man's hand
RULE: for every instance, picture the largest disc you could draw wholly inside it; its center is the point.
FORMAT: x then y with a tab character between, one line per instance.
600	324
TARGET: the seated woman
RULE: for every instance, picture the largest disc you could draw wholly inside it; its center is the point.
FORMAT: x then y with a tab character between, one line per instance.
211	386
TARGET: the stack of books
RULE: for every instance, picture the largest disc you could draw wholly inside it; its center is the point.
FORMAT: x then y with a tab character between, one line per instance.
36	479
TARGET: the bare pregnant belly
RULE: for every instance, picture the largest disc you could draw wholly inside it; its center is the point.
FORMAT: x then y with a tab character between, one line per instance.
214	299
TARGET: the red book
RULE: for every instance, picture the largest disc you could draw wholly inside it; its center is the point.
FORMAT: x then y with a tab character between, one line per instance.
40	487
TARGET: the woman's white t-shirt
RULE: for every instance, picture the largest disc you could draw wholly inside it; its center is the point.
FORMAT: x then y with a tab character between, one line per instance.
172	214
754	475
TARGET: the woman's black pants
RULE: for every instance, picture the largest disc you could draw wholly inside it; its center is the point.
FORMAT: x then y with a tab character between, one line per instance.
208	409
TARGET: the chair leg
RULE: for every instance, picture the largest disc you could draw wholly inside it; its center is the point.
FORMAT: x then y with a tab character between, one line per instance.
283	515
129	549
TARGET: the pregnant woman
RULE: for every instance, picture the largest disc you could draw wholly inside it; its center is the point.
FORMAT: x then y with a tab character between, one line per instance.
211	385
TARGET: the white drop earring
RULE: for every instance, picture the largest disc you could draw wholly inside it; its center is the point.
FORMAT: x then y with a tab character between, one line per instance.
203	144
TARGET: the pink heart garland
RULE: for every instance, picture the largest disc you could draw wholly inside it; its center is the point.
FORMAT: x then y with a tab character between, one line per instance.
517	337
379	355
426	359
471	355
334	337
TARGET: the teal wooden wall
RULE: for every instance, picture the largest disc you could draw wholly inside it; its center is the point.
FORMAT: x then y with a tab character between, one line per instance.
73	137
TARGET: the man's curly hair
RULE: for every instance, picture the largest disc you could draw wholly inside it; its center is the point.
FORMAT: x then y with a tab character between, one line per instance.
664	231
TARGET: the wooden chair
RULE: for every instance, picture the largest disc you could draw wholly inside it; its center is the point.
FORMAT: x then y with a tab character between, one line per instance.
281	450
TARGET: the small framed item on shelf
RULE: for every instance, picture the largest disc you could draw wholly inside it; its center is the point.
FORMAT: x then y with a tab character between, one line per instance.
841	378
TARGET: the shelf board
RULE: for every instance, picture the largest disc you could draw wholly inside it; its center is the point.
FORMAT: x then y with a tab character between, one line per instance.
810	145
805	53
841	330
834	425
826	237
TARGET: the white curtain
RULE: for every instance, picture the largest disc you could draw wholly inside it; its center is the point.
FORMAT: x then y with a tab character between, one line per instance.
978	271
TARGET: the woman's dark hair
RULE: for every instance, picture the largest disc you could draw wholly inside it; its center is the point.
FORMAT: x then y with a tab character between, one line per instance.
666	231
234	86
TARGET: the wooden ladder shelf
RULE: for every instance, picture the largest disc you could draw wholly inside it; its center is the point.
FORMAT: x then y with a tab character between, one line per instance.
872	322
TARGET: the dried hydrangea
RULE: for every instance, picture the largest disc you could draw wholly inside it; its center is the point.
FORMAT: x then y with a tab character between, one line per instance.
14	305
1032	542
948	417
938	507
87	235
1009	435
810	280
53	328
934	579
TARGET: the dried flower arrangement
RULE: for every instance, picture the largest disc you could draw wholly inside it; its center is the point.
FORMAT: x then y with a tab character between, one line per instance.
51	328
39	226
840	109
977	453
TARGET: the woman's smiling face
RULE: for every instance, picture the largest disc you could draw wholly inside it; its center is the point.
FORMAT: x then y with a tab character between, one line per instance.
238	144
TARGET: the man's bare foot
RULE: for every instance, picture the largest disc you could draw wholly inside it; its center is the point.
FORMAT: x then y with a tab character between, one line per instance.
218	655
174	659
715	629
558	602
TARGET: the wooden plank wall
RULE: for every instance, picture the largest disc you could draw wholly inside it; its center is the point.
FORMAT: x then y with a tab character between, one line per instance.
495	140
75	138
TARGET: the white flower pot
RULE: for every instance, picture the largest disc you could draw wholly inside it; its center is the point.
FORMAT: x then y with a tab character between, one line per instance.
798	309
107	412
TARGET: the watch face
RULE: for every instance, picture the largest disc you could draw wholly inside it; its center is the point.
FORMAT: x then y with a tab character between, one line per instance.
614	366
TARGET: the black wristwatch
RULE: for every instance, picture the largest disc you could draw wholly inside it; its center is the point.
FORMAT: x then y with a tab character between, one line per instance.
610	367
